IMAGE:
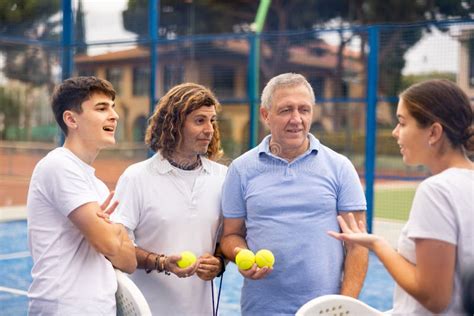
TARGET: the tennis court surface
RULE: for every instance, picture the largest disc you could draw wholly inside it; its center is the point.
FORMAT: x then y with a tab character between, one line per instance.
15	266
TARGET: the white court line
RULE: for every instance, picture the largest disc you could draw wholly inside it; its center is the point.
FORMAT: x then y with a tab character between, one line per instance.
15	255
13	291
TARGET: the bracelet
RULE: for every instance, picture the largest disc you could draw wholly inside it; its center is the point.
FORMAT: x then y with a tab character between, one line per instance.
222	260
161	264
146	262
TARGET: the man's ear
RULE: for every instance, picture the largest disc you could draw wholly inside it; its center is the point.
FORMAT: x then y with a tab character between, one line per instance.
264	114
69	119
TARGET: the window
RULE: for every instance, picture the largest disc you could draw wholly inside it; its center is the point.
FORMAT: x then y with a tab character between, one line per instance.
114	76
318	86
173	75
345	89
86	72
223	81
141	81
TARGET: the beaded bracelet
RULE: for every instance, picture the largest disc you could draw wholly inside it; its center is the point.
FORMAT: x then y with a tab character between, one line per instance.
160	265
155	263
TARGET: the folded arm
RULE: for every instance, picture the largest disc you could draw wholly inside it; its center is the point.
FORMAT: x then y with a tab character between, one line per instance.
109	239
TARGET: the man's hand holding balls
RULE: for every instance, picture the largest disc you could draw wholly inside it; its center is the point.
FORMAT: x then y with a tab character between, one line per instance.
254	266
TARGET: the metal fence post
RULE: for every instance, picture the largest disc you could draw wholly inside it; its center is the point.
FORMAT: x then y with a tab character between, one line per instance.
153	24
254	70
371	122
153	29
253	89
67	37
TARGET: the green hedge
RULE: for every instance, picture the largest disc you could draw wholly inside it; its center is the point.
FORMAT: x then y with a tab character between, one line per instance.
355	142
43	133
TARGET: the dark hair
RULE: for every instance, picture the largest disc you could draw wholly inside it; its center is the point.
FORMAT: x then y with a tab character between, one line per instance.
444	102
165	126
72	92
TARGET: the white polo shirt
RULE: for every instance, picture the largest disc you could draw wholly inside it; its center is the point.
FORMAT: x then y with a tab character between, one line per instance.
156	203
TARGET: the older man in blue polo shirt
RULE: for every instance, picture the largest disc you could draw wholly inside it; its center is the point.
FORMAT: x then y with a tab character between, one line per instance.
284	195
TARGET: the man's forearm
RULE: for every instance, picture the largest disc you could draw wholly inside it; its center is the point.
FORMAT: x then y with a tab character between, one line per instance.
125	258
229	243
355	269
145	259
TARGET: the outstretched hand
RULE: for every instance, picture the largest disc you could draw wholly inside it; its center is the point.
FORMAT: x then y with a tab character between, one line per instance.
354	232
105	209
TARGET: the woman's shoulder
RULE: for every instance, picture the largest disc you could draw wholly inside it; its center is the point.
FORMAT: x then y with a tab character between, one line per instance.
448	180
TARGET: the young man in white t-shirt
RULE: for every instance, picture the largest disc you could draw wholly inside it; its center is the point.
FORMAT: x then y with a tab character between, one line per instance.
73	244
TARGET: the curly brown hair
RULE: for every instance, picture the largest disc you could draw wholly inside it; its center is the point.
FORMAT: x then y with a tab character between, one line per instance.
165	126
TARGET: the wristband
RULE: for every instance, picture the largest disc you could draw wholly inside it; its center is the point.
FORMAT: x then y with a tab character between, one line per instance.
222	261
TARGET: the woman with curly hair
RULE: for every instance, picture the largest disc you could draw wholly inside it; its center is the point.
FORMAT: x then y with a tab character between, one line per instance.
170	203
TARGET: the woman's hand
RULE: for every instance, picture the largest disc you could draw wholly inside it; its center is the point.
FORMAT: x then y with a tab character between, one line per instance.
353	232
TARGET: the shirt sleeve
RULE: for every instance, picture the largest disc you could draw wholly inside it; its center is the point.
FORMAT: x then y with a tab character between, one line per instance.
129	207
350	195
68	186
431	215
233	203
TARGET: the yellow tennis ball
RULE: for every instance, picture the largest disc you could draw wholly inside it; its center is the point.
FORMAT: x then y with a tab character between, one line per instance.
187	259
245	259
264	258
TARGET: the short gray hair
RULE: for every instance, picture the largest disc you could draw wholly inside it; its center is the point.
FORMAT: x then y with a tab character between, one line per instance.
284	80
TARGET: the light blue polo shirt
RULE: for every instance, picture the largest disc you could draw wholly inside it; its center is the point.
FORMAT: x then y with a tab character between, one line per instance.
288	208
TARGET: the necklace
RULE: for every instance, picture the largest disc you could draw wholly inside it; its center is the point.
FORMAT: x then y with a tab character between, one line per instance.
184	165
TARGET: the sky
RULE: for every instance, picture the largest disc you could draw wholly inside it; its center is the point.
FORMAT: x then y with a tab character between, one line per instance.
103	20
436	51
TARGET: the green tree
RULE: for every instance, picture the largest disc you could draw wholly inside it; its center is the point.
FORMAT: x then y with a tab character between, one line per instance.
30	20
9	112
409	80
214	16
80	30
30	64
18	17
395	42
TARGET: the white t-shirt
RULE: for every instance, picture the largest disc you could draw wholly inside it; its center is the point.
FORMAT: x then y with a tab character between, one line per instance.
166	216
443	209
69	276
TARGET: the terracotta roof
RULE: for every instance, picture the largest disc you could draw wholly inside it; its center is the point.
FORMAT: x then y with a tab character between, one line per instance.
312	53
137	52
